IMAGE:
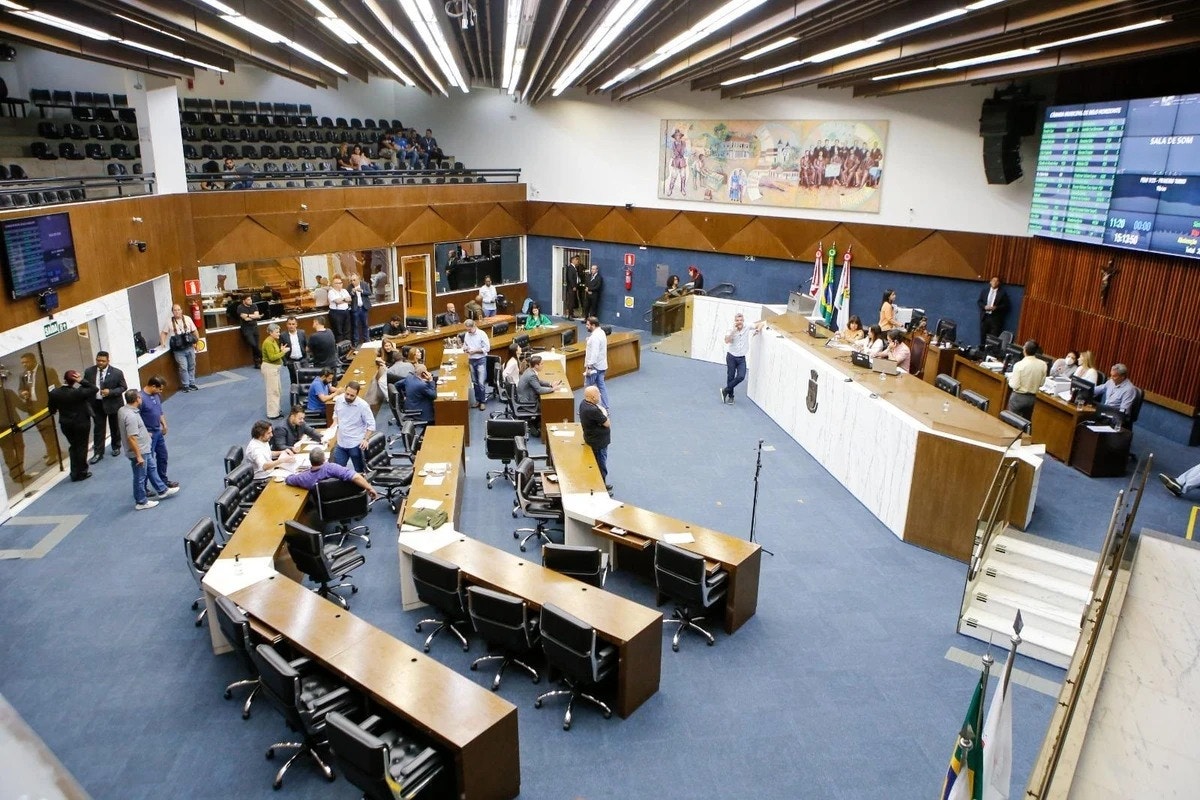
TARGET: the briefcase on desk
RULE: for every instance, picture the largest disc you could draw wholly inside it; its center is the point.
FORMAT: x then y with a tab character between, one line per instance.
426	517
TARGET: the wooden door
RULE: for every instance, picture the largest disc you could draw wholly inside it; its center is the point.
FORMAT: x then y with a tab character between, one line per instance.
415	272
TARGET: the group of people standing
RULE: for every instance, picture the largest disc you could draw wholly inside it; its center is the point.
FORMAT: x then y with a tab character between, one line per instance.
584	286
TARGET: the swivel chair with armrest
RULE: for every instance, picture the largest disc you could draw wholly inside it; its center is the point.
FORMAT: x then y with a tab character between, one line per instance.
242	478
228	511
1016	421
572	647
683	577
322	563
533	505
201	547
383	764
579	562
235	627
439	583
506	624
503	392
233	458
947	384
339	503
916	357
500	445
304	696
384	473
529	413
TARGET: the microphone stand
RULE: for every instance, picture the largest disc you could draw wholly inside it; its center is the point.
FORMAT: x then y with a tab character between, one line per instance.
754	503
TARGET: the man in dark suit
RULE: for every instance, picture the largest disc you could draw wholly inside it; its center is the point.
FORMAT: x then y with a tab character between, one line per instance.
593	286
297	341
34	390
110	396
360	304
71	402
993	308
13	445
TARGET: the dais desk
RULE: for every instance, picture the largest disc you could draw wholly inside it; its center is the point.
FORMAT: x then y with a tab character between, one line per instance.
624	356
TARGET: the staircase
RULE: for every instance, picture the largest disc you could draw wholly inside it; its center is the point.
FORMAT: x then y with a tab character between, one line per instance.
1050	587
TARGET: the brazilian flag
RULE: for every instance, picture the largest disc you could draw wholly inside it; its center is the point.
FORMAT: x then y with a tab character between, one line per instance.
972	770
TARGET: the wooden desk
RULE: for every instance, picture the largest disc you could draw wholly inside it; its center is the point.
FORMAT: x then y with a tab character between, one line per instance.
633	628
432	340
1101	454
668	316
991	384
476	728
362	369
452	406
260	535
624	356
584	498
443	444
1054	422
559	405
939	360
547	337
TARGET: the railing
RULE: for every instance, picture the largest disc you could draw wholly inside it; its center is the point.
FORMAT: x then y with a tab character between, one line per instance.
27	192
1113	556
281	179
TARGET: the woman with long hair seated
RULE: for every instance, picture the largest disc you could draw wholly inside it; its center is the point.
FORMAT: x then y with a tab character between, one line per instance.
853	331
536	318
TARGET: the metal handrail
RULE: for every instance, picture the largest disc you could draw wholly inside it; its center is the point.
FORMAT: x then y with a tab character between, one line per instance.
355	177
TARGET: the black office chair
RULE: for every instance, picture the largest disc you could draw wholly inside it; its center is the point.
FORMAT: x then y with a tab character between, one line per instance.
503	394
572	647
201	547
505	623
304	696
533	505
322	563
582	563
529	413
1135	408
682	576
233	458
439	583
235	627
1016	420
1006	338
916	357
228	510
500	445
947	384
384	764
339	503
975	399
242	477
393	479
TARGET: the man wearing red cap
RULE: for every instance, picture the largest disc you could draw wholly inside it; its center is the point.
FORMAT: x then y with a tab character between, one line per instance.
70	401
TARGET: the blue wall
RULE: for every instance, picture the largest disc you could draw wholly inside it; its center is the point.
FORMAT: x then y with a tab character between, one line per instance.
764	280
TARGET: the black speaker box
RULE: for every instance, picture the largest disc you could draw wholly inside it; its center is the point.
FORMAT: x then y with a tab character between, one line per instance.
1008	118
1002	159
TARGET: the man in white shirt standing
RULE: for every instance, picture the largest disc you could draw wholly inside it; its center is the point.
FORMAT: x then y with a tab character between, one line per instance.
488	293
1027	375
595	360
477	347
737	344
355	424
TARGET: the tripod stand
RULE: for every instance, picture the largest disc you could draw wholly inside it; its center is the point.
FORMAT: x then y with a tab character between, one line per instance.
754	504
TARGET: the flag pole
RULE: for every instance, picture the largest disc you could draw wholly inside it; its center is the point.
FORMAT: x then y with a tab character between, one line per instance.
962	790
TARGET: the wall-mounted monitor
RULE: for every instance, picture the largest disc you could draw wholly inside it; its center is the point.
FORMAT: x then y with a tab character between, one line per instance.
39	253
1124	173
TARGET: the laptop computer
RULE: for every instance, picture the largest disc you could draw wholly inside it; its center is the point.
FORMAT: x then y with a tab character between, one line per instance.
885	365
860	360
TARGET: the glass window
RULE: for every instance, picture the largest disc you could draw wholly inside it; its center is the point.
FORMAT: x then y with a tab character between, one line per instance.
464	265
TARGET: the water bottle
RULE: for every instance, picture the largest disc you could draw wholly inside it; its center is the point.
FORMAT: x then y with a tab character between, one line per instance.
946	407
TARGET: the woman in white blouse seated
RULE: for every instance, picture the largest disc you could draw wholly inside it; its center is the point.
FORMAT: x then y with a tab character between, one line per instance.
1087	368
874	342
512	368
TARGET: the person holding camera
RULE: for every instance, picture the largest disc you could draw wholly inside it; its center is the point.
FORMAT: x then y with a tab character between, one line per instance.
181	336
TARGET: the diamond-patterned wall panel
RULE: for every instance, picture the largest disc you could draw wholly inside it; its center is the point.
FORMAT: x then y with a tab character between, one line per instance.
388	223
717	228
649	221
345	232
682	234
757	239
555	223
935	255
615	227
495	223
246	237
209	232
463	217
430	227
584	217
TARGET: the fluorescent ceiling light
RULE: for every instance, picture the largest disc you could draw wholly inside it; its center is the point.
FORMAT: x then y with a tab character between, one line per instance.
322	9
259	30
299	48
617	20
144	25
202	65
622	75
13	6
158	51
844	50
903	74
784	42
923	23
1098	34
763	72
64	25
386	22
971	62
982	4
387	62
512	22
429	28
340	29
221	8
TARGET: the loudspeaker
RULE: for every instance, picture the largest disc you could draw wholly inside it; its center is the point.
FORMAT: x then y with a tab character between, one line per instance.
1002	159
1008	118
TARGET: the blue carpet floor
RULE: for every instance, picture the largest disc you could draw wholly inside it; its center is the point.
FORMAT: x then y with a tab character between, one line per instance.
839	687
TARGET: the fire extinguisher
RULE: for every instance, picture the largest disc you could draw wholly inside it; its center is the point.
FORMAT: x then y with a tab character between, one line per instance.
197	314
628	278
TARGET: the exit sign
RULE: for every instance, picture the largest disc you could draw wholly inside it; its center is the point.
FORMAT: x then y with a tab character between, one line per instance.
53	328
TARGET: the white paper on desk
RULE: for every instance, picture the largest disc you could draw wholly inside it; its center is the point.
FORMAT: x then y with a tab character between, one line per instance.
1066	396
564	434
437	468
1102	429
370	345
434	480
425	502
678	538
447	394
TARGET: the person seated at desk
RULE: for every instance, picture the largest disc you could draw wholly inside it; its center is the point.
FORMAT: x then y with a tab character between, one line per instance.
319	469
394	326
321	391
531	387
450	317
873	343
293	430
1065	367
388	353
1087	367
259	453
672	289
1026	378
474	308
409	358
536	318
853	332
887	311
1117	391
420	391
897	349
512	367
1188	481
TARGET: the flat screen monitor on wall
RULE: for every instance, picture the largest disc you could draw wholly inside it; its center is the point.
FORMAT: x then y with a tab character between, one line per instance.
39	253
1125	174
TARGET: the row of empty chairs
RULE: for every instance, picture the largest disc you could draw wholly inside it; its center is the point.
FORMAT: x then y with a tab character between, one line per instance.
63	98
44	197
252	106
301	135
48	129
92	150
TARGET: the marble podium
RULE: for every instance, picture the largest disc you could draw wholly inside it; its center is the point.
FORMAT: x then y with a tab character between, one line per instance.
921	468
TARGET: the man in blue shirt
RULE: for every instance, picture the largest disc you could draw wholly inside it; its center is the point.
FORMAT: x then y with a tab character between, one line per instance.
419	393
1118	390
322	390
355	424
320	469
156	423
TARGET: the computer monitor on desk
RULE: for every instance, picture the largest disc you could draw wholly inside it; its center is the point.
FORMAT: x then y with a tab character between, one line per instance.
1109	415
1012	354
946	331
1082	390
992	346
